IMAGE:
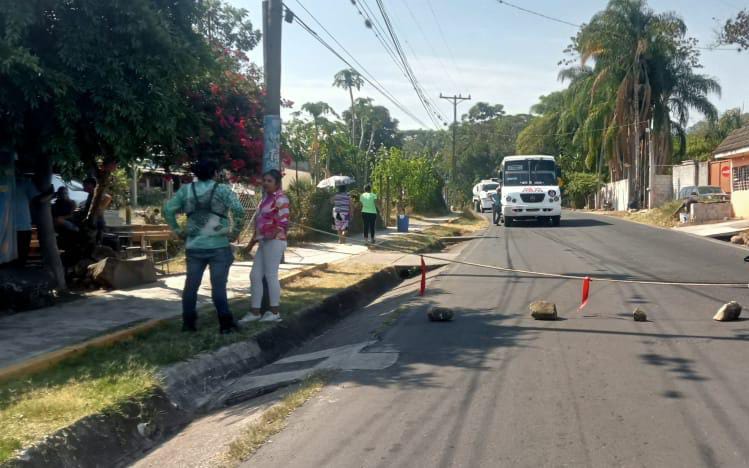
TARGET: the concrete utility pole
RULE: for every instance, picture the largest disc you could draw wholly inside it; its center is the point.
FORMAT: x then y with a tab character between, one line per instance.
272	20
455	100
651	171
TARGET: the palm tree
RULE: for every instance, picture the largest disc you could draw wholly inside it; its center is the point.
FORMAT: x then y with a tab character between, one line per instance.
348	78
317	110
642	73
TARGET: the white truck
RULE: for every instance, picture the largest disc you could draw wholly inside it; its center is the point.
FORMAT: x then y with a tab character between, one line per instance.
530	189
482	194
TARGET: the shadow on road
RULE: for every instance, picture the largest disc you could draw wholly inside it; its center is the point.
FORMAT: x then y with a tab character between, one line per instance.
566	223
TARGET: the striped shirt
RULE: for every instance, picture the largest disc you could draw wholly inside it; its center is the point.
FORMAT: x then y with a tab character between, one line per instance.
273	216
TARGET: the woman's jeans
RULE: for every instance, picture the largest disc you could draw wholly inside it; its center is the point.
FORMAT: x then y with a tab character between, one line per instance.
220	261
266	263
369	224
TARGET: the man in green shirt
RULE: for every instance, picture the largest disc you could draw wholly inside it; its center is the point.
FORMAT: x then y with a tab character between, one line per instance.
207	236
369	212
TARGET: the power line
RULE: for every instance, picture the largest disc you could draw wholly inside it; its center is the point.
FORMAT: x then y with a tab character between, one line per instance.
442	34
372	22
433	113
325	44
535	13
389	95
429	43
576	25
396	53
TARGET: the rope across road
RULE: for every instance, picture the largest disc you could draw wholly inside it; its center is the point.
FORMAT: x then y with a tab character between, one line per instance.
541	273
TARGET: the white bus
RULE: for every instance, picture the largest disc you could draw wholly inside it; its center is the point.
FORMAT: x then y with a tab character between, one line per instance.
530	189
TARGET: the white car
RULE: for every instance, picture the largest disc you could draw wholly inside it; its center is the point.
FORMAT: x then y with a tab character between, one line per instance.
482	195
75	189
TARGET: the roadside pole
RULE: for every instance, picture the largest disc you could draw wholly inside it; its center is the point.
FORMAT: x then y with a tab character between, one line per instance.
455	100
272	15
651	171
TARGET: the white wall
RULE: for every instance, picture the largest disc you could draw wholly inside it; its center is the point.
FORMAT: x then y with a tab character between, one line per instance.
617	193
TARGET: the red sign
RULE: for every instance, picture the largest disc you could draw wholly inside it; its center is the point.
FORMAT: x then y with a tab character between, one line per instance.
725	171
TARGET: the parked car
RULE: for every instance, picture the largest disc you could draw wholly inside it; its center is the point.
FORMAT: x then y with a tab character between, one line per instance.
704	193
482	195
75	189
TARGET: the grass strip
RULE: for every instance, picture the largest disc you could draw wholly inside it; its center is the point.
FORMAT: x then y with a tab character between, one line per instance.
272	421
102	378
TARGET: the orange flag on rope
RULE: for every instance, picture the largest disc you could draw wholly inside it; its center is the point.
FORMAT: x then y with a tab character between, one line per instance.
423	277
586	292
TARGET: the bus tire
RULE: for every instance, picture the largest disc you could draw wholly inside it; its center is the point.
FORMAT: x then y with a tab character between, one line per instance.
556	220
508	221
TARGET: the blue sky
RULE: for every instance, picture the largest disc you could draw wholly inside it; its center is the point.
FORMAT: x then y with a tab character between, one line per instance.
494	52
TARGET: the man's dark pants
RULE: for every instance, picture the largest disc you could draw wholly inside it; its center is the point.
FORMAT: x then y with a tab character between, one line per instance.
220	261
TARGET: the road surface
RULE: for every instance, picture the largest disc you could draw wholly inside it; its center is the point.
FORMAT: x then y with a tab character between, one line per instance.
496	388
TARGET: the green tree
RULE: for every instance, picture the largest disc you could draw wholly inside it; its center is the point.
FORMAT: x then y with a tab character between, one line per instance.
318	111
349	79
642	77
91	81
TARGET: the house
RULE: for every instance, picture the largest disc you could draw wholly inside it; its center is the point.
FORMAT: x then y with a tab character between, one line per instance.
730	170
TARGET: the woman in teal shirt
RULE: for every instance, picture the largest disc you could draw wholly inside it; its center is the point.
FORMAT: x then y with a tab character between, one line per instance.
208	234
369	212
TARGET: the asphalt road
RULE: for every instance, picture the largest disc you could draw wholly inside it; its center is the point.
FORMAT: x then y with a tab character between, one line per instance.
496	388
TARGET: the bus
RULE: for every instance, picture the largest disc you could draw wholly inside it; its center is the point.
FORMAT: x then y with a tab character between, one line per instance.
530	189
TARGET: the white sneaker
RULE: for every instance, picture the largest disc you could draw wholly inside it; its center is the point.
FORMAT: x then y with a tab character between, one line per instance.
271	317
250	317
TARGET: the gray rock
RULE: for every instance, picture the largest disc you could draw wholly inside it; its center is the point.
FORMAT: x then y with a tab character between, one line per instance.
728	312
121	274
543	310
440	314
639	315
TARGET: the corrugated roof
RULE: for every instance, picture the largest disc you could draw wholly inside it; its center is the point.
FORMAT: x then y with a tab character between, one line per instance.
735	140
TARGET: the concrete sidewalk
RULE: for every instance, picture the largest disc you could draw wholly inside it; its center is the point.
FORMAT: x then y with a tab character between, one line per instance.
723	229
27	335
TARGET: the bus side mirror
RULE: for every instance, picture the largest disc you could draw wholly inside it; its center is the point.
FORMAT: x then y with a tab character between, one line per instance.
500	175
559	172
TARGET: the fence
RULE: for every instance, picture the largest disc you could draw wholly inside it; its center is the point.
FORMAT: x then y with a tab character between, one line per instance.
613	196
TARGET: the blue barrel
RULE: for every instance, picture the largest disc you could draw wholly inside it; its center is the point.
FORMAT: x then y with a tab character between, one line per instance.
402	223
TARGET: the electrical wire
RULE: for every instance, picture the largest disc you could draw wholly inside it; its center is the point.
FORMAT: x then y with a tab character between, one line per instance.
541	15
325	44
362	67
576	25
433	113
429	43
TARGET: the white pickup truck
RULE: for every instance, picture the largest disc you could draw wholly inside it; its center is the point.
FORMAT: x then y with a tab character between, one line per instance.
482	195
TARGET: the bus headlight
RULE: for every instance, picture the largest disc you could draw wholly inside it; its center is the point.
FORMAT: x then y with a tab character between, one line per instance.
508	199
556	198
552	193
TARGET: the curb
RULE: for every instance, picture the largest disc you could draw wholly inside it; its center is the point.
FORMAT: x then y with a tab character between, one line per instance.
688	234
46	360
118	435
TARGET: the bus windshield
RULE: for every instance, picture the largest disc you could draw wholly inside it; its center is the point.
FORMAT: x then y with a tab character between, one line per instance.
530	172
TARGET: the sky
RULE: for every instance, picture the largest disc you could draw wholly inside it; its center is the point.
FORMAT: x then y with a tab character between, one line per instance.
491	51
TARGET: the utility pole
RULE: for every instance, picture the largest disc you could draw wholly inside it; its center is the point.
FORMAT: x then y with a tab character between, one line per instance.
455	100
272	17
651	171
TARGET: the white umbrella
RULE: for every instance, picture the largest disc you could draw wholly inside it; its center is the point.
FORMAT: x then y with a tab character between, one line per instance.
336	181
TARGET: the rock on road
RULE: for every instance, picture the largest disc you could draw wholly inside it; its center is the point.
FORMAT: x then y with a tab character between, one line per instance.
496	388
